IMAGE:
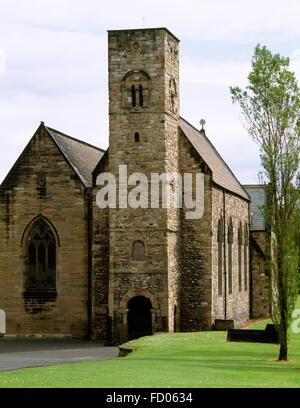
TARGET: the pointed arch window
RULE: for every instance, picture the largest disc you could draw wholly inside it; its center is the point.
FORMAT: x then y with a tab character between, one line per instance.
41	257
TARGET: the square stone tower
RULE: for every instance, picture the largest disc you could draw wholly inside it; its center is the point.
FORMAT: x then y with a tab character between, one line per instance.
143	136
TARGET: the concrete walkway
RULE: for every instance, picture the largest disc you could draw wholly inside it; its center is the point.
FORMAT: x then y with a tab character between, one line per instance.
22	353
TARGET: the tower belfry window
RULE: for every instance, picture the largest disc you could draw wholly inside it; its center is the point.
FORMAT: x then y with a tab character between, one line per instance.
136	137
136	89
133	95
141	101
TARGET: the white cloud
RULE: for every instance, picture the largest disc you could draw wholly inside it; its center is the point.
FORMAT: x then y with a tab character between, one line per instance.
57	77
2	62
56	65
213	72
295	63
49	61
230	20
207	17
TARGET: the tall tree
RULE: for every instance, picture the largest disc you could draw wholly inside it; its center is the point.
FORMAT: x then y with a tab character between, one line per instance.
270	105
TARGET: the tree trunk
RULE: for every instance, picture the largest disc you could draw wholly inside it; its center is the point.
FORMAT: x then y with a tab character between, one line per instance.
283	328
283	349
283	298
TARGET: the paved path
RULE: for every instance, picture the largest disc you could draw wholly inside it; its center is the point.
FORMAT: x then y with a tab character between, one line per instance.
22	353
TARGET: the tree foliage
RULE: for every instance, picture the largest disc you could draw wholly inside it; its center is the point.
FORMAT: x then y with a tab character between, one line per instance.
270	106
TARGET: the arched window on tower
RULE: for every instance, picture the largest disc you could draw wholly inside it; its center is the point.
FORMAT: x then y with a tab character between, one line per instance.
41	257
133	96
135	88
230	239
136	137
138	251
141	98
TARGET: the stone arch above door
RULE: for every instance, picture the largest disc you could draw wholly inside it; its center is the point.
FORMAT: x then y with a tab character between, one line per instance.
138	292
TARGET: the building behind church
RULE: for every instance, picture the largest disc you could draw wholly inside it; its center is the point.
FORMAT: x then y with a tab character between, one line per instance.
70	268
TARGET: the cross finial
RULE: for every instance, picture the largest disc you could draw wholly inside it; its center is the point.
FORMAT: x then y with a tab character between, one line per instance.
202	123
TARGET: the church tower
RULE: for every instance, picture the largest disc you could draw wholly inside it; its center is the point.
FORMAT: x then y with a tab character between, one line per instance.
143	138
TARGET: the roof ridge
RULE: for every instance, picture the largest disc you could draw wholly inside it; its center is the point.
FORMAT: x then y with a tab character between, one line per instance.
76	166
18	159
215	150
74	139
254	185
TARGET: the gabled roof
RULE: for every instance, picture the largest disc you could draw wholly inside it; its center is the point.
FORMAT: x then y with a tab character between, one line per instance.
258	199
82	156
221	173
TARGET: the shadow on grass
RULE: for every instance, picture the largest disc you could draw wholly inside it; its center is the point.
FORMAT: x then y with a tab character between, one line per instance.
241	361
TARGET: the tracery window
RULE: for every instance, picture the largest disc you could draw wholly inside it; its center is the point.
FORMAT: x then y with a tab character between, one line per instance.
41	257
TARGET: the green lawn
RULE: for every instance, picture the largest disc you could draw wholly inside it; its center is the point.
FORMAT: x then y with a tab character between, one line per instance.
202	359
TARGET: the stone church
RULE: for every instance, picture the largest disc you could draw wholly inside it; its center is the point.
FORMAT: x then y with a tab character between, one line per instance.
71	268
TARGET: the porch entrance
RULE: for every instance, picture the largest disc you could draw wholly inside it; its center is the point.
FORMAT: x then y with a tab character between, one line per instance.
139	317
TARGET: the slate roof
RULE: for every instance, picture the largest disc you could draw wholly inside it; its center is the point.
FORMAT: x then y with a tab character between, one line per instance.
82	156
221	173
258	198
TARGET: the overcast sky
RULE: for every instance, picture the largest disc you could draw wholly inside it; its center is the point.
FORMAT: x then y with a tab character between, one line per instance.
53	65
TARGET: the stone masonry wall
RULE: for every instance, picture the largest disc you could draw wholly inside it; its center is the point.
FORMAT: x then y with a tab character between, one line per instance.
195	250
235	305
148	58
100	263
260	281
63	205
217	214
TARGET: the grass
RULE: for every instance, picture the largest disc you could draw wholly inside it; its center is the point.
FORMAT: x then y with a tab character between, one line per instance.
191	360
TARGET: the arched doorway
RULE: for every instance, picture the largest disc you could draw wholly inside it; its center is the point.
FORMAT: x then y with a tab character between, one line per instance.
139	317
